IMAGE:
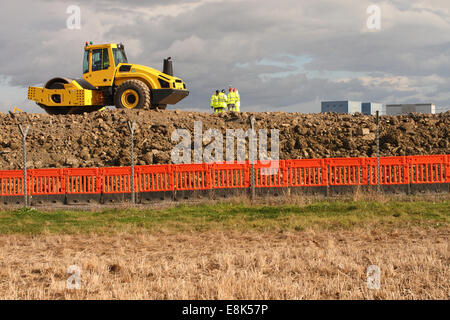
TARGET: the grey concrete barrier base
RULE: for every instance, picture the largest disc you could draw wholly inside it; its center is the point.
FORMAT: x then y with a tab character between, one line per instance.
47	199
180	195
272	191
226	193
392	189
149	197
342	190
309	191
430	188
213	194
346	190
83	198
110	198
12	200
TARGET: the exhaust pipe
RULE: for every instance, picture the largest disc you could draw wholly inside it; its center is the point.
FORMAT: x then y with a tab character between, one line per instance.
167	67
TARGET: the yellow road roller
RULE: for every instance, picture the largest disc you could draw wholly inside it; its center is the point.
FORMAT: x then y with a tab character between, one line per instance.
109	80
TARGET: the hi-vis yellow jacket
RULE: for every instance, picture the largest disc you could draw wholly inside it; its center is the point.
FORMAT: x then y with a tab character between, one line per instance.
238	101
222	100
214	100
232	98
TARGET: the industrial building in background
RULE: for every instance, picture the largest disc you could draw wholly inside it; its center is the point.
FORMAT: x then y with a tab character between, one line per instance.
341	106
397	109
367	108
371	108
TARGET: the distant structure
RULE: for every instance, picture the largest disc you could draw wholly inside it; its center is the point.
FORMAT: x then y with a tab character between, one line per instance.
368	108
341	106
397	109
442	109
371	108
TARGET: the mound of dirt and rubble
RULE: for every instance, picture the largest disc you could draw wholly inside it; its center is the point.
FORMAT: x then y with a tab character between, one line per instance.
102	138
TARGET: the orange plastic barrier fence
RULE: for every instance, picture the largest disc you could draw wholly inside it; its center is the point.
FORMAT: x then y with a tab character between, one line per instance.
116	180
282	173
191	176
308	172
154	178
271	174
11	183
393	170
346	171
83	180
431	169
230	175
46	181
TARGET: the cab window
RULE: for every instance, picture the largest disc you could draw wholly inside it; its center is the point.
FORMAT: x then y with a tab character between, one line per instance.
119	56
100	59
86	62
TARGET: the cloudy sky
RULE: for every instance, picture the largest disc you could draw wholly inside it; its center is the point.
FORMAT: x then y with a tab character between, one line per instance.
281	55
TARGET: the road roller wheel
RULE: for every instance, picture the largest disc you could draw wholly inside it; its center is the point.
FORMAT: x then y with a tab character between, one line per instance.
132	94
58	83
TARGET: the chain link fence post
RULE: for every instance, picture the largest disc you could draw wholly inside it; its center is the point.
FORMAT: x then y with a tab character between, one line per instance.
252	123
24	133
378	149
132	126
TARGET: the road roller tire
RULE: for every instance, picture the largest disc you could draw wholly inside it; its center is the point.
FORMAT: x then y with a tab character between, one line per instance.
132	94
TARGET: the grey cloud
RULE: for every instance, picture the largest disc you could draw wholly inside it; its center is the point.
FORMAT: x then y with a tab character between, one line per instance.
217	43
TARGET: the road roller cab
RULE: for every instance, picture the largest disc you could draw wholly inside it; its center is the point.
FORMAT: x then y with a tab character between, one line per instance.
109	79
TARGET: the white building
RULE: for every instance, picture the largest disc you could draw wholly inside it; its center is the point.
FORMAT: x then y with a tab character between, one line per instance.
371	108
346	106
341	106
397	109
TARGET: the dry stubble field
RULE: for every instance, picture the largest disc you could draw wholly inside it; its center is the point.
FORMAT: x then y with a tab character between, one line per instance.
282	252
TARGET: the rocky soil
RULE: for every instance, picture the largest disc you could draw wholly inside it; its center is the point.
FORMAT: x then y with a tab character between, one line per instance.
102	138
